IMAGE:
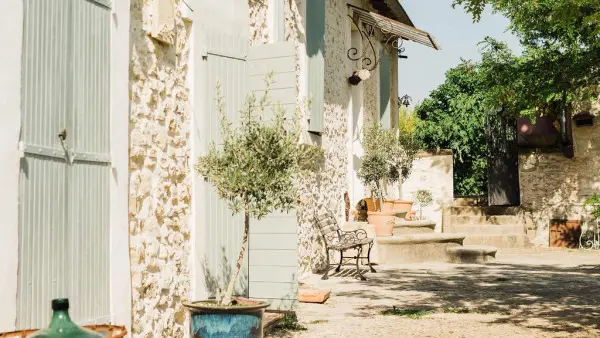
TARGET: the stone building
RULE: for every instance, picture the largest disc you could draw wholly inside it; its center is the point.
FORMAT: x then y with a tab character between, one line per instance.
554	187
144	228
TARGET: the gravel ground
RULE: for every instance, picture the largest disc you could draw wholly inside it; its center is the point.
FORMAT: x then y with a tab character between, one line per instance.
525	293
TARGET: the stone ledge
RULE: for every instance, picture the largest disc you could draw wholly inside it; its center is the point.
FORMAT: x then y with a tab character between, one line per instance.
416	224
421	238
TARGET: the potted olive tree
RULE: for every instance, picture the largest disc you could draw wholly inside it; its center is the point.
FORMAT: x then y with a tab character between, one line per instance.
254	169
375	168
404	153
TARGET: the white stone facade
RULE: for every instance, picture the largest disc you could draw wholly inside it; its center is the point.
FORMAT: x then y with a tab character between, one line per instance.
433	172
555	187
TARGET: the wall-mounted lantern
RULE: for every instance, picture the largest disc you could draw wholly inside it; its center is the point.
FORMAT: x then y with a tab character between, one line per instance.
404	100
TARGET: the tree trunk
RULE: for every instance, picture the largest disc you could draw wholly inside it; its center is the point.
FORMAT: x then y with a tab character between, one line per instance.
380	197
229	293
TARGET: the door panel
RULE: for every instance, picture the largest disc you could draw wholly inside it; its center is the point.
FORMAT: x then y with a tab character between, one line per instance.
64	185
503	162
226	66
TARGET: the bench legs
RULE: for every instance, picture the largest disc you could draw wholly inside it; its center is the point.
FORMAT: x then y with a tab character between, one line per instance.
369	258
341	259
358	257
358	252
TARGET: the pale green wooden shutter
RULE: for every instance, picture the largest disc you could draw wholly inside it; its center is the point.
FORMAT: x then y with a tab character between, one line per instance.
273	272
315	51
273	239
64	228
220	236
385	91
280	60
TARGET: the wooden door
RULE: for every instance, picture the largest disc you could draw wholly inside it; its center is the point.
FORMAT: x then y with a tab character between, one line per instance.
64	178
565	233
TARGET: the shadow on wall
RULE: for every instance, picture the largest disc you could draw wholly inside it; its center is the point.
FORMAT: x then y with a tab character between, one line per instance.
217	279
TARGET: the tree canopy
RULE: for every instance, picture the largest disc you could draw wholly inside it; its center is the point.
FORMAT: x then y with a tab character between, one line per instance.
453	117
561	58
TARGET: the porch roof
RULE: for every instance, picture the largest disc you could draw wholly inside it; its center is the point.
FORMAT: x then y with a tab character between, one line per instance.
391	28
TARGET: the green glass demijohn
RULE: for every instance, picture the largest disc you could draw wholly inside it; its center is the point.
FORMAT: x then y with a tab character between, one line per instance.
61	325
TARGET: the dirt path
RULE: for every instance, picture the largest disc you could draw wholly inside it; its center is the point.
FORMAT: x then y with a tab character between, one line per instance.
533	293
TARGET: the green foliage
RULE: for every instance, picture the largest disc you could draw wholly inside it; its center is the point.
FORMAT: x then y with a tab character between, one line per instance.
406	148
560	60
409	313
594	202
453	117
423	197
389	155
377	143
289	322
257	163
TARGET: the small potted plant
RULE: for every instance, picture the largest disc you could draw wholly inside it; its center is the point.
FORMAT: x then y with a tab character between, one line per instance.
254	169
374	171
405	151
423	198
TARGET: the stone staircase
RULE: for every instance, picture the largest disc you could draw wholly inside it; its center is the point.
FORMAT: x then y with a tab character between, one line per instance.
483	225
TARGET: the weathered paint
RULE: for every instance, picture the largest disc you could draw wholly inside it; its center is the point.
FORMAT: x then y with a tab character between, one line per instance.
11	20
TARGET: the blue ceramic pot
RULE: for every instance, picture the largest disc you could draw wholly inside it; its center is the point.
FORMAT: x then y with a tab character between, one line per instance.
211	320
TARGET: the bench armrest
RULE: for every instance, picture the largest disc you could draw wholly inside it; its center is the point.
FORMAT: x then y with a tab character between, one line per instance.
353	236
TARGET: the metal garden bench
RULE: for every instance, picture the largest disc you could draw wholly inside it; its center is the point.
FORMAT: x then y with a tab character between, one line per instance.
337	240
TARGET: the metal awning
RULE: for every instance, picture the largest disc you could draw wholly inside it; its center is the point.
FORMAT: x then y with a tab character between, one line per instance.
394	28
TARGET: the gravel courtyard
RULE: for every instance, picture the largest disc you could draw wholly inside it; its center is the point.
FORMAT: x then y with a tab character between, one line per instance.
525	293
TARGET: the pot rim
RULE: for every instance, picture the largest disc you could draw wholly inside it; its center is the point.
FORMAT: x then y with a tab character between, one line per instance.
382	213
251	305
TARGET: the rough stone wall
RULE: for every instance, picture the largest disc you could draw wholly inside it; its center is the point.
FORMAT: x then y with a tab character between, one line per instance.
433	172
159	193
259	24
553	186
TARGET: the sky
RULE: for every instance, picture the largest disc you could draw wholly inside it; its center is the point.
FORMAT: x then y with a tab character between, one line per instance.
455	32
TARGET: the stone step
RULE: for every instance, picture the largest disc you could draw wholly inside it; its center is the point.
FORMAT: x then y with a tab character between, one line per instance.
486	229
504	219
404	227
499	241
471	254
418	248
483	211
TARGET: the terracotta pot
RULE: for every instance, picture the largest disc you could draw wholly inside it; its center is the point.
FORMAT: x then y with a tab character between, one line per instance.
383	222
389	206
404	206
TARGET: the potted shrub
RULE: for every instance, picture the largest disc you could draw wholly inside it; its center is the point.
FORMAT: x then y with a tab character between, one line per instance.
405	151
255	169
374	170
423	198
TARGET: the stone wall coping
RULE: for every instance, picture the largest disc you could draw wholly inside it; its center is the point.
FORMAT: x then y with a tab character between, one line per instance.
401	223
432	153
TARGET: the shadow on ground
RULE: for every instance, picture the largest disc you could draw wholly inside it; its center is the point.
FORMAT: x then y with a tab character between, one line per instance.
544	297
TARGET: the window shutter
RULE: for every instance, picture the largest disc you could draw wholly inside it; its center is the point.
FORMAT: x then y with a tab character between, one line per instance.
280	59
315	50
384	91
